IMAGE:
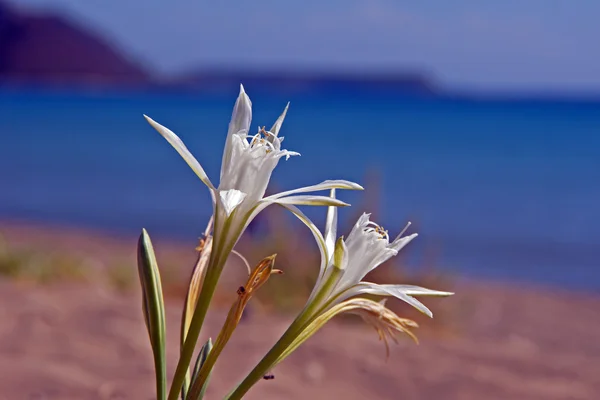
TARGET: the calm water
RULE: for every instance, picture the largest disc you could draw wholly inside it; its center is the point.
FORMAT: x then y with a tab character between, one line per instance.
497	189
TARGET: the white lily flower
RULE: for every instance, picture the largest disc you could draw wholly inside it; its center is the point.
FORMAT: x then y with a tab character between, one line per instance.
346	262
339	286
248	161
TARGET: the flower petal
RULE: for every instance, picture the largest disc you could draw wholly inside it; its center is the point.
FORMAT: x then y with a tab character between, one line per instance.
412	290
331	225
396	291
183	151
310	200
361	223
277	125
230	199
316	233
239	124
329	184
242	114
400	241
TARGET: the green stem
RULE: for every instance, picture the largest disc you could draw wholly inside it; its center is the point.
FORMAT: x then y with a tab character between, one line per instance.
290	336
269	359
217	260
215	266
218	257
200	379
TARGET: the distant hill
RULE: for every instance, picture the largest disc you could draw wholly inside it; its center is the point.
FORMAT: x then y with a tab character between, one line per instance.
52	49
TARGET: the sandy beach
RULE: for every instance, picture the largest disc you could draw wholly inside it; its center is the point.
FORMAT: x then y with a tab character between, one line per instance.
84	339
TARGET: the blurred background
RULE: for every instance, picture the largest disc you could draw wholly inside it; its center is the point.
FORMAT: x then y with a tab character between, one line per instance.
477	121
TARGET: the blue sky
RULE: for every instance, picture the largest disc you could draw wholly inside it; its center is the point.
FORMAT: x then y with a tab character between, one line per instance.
540	45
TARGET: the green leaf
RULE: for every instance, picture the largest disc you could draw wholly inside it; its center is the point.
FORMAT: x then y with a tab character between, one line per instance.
154	309
202	355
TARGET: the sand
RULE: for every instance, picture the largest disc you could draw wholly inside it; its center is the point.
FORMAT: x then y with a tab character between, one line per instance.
84	340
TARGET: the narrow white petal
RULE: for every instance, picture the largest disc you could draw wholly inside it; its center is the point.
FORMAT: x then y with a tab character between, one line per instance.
385	290
277	125
399	243
311	200
240	123
412	301
326	185
288	154
316	233
230	199
412	290
389	291
360	225
331	224
242	114
183	151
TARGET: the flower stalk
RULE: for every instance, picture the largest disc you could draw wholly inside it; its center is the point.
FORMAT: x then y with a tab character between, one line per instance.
340	289
194	287
247	165
257	278
187	351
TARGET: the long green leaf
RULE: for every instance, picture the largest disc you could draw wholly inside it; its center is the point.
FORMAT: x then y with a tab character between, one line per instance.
154	309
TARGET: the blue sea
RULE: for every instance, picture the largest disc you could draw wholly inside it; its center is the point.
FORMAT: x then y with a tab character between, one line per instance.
497	189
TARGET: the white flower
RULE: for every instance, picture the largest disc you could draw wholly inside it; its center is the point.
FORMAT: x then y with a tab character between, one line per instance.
344	263
248	161
338	290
